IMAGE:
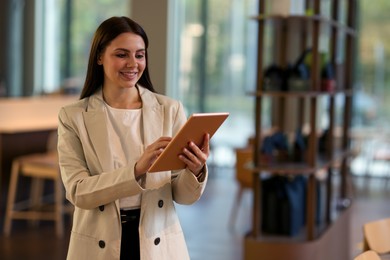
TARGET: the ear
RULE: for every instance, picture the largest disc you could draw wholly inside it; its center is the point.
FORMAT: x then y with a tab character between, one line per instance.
99	60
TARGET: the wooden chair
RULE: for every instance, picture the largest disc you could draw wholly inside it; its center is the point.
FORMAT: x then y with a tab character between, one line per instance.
377	236
368	255
382	155
38	167
377	152
244	177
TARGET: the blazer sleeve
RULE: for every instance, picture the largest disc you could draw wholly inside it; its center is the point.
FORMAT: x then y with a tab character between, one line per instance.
86	189
186	189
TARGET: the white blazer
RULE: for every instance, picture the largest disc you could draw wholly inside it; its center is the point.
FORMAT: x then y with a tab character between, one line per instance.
94	187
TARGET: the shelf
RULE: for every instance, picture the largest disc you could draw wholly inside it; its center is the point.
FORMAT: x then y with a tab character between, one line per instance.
306	18
280	39
299	168
300	237
285	169
332	244
297	94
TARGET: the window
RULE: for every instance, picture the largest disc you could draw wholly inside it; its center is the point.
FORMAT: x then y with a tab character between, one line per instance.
215	45
64	32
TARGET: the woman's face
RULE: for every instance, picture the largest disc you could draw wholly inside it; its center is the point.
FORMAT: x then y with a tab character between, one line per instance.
123	61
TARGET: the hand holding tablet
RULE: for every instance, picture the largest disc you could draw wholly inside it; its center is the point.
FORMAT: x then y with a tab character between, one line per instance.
193	130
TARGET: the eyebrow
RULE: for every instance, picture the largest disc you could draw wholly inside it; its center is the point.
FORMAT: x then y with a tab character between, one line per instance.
126	50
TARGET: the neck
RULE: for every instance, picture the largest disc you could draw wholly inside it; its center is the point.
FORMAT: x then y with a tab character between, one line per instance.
123	99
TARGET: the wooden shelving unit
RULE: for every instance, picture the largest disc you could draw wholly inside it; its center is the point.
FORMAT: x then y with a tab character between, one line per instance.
331	240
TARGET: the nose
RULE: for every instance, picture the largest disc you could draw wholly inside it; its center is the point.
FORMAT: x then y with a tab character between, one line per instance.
131	62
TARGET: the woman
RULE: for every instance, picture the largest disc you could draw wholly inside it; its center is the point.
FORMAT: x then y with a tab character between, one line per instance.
107	141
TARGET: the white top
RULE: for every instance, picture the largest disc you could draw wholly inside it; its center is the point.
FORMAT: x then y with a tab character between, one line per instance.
124	128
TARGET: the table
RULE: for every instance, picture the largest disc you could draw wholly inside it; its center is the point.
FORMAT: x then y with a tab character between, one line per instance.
28	115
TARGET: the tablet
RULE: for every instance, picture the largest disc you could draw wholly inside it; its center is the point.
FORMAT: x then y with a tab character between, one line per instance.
194	129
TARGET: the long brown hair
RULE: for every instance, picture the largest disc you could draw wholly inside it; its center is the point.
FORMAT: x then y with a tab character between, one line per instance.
105	33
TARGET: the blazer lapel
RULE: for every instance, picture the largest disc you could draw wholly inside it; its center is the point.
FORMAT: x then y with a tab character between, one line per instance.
153	117
153	126
96	125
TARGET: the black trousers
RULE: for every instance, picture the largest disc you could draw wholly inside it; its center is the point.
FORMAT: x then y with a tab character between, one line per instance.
130	249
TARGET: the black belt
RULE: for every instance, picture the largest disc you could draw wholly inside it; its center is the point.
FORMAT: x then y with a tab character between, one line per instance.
130	215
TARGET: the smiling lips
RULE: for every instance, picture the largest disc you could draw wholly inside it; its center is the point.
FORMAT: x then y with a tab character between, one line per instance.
129	75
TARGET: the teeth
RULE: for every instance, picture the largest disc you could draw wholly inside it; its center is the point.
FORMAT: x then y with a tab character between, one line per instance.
129	74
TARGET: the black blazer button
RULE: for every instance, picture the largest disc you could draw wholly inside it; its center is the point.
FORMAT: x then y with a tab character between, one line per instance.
157	241
101	208
102	244
160	203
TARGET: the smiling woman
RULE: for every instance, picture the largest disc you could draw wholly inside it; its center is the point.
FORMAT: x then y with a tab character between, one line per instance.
108	140
118	59
123	62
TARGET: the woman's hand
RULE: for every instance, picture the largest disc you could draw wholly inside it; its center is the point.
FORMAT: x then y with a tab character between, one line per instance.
150	155
195	157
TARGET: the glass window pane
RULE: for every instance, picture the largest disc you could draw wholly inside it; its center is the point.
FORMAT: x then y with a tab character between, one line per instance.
64	30
216	67
85	17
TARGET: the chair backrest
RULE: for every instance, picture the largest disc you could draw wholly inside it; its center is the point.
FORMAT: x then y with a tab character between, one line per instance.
243	174
51	145
368	255
377	235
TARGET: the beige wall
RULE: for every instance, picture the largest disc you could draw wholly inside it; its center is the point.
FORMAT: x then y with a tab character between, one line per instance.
152	15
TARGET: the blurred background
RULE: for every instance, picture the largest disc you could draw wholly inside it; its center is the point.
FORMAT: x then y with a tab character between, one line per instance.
202	52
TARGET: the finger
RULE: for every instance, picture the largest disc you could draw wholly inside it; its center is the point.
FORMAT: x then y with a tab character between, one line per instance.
160	143
157	152
199	152
190	154
164	138
151	157
206	144
197	159
190	163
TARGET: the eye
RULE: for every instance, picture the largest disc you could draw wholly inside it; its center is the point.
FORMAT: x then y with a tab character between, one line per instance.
139	56
121	55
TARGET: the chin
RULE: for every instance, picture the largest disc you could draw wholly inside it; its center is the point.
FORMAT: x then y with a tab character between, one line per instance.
128	85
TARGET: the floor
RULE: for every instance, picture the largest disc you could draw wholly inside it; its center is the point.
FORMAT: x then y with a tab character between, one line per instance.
205	223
